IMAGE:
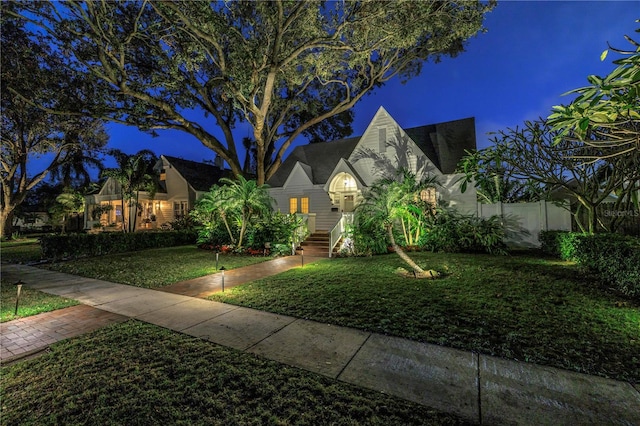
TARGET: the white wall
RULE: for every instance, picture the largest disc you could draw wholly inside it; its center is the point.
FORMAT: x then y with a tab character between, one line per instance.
524	221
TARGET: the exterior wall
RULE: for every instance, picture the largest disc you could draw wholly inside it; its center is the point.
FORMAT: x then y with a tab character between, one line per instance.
402	152
449	191
524	221
319	203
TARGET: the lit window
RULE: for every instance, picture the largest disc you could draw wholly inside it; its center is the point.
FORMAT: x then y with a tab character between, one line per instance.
293	205
304	205
429	195
179	209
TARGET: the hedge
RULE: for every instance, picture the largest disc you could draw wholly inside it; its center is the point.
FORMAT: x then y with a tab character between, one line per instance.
614	258
56	247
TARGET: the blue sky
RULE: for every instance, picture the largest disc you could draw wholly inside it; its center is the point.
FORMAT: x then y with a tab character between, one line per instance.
532	53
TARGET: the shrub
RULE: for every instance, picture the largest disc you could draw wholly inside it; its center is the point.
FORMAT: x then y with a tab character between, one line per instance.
368	239
57	247
560	244
453	232
613	258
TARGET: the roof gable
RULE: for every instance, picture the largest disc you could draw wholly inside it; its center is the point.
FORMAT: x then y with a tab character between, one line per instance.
321	157
443	144
200	176
299	174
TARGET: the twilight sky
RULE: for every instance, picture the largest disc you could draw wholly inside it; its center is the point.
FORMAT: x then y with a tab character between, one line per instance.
532	53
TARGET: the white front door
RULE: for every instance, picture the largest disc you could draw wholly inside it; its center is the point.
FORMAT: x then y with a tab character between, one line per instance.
348	202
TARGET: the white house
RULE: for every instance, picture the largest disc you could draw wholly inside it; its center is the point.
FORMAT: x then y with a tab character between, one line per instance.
325	180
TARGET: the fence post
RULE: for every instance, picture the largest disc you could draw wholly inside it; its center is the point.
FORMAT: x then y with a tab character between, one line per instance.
544	221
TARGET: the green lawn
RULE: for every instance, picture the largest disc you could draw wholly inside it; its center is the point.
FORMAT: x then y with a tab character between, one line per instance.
32	302
20	251
135	373
154	268
519	307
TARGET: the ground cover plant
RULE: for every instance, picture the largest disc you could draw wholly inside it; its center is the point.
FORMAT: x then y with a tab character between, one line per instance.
156	267
520	307
32	302
136	373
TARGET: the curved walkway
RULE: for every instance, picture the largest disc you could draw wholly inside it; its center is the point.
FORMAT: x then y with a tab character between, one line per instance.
481	388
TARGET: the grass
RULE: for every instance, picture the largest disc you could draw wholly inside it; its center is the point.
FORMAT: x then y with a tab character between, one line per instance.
135	373
520	307
32	302
154	268
20	251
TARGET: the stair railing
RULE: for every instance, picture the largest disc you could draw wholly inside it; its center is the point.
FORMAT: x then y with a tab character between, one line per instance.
339	230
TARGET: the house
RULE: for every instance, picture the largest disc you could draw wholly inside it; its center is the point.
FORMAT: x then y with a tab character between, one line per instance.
182	182
326	181
32	219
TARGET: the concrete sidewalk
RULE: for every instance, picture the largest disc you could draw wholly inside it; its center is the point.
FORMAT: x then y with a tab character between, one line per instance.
481	388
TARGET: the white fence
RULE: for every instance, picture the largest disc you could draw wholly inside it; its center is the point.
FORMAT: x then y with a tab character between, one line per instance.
524	221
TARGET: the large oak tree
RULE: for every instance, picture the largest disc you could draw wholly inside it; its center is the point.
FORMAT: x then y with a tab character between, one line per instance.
35	79
288	68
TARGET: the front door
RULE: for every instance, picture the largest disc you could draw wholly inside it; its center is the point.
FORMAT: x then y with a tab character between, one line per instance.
348	203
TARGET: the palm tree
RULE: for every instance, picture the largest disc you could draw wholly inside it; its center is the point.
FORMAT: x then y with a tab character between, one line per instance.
68	202
213	206
80	157
247	199
391	201
134	174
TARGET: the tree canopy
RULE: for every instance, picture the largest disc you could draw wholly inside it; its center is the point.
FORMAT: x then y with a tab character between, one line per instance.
34	80
534	153
606	114
288	68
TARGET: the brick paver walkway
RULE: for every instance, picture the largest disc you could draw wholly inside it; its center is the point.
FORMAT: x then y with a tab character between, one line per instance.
32	334
206	286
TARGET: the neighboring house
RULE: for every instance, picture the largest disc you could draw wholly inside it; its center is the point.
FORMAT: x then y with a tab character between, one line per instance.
325	180
32	219
182	182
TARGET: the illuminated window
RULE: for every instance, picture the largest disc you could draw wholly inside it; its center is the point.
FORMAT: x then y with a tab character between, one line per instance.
304	205
429	195
179	209
293	205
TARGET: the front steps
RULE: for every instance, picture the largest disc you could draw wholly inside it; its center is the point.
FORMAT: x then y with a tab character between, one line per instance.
317	244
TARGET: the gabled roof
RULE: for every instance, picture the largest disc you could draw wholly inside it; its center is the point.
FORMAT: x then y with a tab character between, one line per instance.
200	176
443	143
322	157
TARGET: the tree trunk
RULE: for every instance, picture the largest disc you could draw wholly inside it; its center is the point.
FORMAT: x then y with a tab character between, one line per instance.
6	223
402	254
226	224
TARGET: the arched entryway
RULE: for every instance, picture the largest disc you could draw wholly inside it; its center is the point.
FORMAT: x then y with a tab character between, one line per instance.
344	192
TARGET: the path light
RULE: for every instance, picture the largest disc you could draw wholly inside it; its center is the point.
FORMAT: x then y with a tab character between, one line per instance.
217	254
19	287
222	268
301	255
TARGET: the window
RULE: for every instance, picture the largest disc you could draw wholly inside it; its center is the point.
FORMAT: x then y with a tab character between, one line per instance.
382	139
429	195
304	205
179	209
